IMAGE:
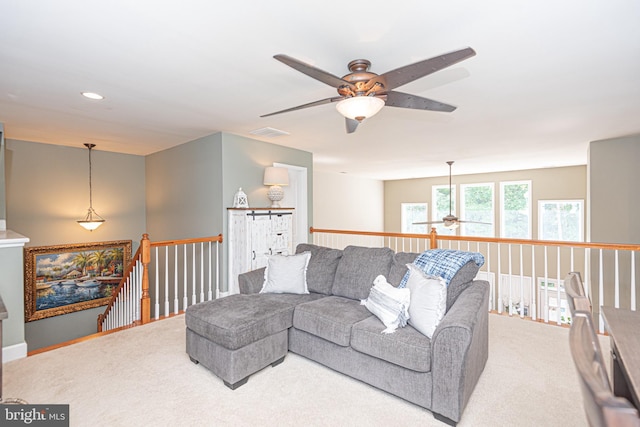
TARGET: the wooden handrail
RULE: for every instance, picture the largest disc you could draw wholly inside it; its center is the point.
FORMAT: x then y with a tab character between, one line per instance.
433	236
217	238
143	255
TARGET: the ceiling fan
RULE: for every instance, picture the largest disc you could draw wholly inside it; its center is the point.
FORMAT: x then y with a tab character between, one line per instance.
363	93
451	221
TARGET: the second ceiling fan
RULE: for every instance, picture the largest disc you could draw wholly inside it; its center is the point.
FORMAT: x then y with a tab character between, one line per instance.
363	93
451	221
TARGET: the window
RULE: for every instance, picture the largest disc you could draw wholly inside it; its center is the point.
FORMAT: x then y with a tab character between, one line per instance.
561	220
476	204
414	212
440	206
515	209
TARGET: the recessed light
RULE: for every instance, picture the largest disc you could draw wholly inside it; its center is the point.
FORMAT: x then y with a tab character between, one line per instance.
92	95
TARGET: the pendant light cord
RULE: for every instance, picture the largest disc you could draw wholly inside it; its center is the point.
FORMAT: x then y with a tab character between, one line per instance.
90	146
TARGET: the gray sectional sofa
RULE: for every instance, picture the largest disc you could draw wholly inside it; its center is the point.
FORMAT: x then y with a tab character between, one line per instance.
238	335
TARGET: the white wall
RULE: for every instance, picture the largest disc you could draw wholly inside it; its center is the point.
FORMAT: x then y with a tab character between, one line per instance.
345	202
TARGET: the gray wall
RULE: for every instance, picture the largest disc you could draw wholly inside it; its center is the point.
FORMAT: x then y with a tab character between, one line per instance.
48	190
613	181
12	296
184	190
3	208
190	187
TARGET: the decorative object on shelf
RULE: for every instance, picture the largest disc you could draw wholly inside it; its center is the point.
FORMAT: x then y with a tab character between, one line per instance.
92	220
240	199
276	177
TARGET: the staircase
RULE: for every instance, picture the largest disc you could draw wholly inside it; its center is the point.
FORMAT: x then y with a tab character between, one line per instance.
164	278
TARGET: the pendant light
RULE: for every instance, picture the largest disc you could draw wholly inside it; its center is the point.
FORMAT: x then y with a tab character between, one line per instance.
92	220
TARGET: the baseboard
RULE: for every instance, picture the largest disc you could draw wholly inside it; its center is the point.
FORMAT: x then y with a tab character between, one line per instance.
14	352
223	294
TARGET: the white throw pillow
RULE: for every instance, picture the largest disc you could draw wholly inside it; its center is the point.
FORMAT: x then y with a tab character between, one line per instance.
389	304
286	274
428	300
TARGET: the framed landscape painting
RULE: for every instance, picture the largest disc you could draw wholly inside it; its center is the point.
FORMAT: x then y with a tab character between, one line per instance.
62	279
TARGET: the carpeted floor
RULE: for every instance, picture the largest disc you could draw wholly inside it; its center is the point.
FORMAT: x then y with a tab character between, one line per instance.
142	376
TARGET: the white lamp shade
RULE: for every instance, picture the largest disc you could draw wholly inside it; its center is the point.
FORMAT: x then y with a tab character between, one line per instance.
360	107
276	176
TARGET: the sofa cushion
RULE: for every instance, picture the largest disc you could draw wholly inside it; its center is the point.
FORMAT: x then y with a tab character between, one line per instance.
399	266
461	281
330	318
458	268
358	268
286	274
322	267
428	300
406	347
389	304
238	320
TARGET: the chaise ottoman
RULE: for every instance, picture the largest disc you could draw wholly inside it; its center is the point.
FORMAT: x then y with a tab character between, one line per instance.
239	335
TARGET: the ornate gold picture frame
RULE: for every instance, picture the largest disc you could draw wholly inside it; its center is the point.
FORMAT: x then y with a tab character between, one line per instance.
62	279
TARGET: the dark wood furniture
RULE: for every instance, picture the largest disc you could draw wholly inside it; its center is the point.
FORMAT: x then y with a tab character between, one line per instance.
623	326
601	407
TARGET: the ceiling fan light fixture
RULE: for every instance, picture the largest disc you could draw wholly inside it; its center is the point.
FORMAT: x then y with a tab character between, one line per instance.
452	225
360	107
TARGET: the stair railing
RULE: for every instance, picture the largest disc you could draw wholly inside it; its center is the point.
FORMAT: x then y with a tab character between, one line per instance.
172	266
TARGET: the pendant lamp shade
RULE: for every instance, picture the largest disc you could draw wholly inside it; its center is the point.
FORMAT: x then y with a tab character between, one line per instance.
92	220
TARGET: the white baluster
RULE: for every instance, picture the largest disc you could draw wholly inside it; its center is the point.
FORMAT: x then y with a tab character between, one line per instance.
209	293
600	290
510	283
546	284
633	280
201	271
559	312
166	281
193	276
217	271
521	285
185	298
176	303
616	289
534	285
157	281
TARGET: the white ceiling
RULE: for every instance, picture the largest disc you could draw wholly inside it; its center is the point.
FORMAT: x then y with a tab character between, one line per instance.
548	77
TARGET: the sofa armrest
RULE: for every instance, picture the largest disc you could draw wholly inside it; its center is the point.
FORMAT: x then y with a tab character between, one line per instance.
459	351
251	282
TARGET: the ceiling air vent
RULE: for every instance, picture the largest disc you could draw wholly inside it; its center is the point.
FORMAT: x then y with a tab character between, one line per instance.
268	132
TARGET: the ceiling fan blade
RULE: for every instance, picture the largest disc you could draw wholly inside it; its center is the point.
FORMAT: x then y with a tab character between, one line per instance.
313	72
350	124
403	75
474	222
427	222
406	100
310	104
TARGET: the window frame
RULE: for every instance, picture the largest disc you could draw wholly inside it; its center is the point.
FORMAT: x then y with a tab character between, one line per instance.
403	216
580	202
492	186
503	184
440	229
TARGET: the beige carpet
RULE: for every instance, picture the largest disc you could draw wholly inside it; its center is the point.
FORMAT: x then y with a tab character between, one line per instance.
142	376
